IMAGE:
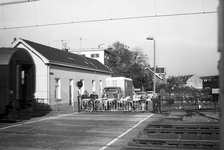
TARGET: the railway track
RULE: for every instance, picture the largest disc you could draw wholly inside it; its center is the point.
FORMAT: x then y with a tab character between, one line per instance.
183	128
182	131
162	144
174	137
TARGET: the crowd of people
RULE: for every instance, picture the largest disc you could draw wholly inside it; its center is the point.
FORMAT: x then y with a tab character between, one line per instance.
93	103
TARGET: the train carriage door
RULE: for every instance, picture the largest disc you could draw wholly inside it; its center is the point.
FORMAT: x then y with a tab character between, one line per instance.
26	83
18	78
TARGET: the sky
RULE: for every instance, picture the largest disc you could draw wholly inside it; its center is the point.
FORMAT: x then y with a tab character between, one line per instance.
186	38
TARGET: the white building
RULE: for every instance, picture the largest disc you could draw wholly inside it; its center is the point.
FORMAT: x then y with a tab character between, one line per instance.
96	53
51	74
192	81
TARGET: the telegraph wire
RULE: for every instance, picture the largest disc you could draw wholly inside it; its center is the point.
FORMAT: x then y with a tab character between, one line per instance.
111	19
17	2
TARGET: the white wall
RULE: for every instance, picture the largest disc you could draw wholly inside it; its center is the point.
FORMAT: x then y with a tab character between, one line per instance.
88	54
65	73
195	82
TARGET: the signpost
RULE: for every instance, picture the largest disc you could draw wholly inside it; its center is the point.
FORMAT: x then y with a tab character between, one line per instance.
79	84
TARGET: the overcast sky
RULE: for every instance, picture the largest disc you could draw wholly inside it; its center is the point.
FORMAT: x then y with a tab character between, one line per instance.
185	43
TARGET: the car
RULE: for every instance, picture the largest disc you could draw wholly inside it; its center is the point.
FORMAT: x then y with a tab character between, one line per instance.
150	94
141	95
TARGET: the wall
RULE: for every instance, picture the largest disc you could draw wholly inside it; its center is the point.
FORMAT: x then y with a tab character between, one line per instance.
195	82
65	74
41	75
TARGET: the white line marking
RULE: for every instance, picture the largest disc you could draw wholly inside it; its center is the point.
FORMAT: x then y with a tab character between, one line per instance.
104	132
65	115
34	121
114	140
30	122
47	118
10	126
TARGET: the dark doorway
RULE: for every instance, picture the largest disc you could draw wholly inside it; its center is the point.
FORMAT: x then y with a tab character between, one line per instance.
17	77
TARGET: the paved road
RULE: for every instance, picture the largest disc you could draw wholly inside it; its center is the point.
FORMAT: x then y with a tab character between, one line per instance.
76	131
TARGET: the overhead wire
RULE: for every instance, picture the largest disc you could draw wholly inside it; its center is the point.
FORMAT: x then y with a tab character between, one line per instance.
17	2
109	19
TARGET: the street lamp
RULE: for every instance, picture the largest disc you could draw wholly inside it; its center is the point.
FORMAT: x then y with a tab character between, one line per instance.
154	63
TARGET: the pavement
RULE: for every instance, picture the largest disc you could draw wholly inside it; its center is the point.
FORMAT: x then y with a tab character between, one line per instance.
75	131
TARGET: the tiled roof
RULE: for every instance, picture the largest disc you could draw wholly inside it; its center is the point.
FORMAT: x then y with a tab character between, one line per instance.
57	56
209	77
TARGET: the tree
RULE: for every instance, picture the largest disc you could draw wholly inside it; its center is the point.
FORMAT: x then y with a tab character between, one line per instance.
174	83
130	64
140	77
120	60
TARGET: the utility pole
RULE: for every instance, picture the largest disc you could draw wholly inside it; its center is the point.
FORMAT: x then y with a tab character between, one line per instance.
221	68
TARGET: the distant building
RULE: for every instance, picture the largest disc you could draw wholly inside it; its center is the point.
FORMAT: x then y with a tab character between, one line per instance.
192	81
210	82
99	54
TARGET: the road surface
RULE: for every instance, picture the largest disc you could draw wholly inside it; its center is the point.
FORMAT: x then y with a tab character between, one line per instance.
75	131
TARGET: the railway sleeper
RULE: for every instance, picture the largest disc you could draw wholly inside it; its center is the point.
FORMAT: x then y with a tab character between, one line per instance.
185	126
181	131
135	146
154	148
178	143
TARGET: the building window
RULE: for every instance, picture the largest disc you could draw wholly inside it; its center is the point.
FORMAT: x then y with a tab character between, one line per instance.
94	55
57	88
71	87
93	86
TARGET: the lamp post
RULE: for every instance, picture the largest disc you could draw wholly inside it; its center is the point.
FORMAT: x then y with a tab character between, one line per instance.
154	63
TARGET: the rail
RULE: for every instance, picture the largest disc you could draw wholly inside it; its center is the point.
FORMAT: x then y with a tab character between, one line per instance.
174	143
185	126
181	131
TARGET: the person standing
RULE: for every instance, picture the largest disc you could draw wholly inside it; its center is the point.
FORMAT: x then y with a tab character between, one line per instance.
159	105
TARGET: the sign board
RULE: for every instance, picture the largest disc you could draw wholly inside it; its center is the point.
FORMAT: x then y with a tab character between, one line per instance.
79	84
215	91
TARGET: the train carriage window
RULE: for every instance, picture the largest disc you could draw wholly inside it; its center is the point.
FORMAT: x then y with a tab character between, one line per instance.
23	77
